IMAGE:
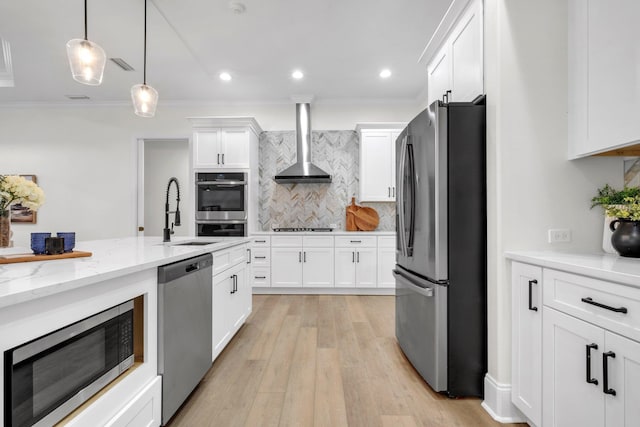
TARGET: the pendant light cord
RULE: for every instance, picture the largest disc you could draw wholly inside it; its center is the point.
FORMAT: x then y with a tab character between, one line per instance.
85	19
144	72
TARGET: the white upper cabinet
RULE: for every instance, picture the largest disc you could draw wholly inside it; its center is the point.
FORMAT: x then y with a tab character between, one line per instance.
225	142
454	56
604	84
378	161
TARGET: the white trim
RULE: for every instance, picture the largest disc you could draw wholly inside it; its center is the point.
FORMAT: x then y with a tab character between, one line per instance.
444	28
324	291
497	402
225	122
380	126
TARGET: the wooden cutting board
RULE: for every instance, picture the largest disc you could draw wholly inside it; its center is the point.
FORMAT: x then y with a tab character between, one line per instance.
10	259
351	215
367	219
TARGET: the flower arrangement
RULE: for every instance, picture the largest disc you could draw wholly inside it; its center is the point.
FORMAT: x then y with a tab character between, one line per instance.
16	189
621	204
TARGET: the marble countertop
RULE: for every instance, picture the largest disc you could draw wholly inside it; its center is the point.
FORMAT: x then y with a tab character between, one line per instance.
21	282
324	233
613	268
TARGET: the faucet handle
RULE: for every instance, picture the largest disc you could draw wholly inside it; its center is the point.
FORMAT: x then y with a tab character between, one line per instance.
172	232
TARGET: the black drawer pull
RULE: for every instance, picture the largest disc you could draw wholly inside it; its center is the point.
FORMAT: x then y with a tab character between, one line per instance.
531	283
589	348
261	241
605	373
260	277
260	257
356	241
597	304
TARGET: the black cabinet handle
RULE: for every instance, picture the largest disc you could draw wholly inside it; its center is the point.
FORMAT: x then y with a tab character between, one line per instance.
589	300
531	283
605	373
299	256
249	258
223	158
304	256
260	277
356	241
261	257
394	191
261	241
357	256
218	158
589	348
233	285
353	257
389	188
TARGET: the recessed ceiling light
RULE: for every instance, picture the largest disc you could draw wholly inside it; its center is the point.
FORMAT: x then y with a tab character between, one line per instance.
297	74
386	73
225	76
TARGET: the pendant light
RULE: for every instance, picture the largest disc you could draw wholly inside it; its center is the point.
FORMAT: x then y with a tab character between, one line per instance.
86	59
145	98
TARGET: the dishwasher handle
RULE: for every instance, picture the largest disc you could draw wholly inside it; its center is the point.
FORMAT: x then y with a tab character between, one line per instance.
191	267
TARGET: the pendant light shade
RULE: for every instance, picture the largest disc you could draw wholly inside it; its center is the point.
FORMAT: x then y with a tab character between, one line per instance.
145	100
86	58
144	97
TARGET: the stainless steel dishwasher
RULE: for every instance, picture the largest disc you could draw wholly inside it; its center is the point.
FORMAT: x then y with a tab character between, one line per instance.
184	328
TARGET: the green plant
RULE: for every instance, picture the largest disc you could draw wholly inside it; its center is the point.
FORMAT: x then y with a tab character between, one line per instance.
630	209
608	196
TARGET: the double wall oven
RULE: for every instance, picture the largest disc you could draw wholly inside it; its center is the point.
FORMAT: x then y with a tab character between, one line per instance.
221	203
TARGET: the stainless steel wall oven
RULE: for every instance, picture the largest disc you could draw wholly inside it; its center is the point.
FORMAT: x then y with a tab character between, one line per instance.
221	203
47	378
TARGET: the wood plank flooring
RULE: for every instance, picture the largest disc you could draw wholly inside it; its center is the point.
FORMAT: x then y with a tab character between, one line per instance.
321	361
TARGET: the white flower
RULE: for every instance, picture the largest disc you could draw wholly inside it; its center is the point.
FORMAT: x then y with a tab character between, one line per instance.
16	189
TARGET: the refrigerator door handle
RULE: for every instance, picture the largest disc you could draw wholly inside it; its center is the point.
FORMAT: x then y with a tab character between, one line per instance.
400	199
427	292
412	190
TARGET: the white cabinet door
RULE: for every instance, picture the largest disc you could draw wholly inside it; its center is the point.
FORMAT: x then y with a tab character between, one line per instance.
239	304
466	56
623	408
234	148
317	267
345	265
377	161
206	145
366	271
526	340
604	94
222	311
286	267
568	398
386	264
439	75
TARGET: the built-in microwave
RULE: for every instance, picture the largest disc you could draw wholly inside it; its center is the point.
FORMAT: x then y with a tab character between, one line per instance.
221	196
47	378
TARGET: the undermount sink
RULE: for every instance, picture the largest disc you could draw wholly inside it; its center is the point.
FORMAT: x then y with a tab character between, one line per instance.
199	243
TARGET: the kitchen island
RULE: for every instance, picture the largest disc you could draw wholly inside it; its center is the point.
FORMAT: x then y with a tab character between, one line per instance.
37	298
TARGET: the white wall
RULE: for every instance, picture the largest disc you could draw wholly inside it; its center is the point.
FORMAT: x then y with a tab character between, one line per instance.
85	157
531	185
164	159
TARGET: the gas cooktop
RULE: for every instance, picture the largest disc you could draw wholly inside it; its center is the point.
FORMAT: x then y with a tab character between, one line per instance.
302	229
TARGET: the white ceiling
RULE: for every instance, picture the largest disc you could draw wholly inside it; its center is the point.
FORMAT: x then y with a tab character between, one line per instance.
340	45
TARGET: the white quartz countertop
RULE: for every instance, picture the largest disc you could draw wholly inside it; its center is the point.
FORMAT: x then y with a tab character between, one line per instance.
21	282
324	233
613	268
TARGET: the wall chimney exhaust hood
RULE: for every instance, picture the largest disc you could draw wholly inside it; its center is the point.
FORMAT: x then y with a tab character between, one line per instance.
303	171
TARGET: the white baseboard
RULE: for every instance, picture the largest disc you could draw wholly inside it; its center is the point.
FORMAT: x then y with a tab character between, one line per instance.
497	402
325	291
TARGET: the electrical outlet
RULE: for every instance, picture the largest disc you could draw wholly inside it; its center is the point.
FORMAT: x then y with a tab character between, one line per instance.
559	235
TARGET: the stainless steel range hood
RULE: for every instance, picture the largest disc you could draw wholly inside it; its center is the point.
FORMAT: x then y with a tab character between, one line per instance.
303	171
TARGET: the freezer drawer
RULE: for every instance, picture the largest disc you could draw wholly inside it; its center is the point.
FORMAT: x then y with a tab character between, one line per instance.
421	326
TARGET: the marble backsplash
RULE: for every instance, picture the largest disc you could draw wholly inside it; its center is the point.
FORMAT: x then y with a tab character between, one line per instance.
313	205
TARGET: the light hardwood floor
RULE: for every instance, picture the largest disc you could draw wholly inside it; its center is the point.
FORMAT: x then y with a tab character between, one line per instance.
323	361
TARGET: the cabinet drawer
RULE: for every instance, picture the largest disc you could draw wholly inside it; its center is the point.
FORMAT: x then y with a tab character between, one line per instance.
387	241
286	241
317	241
227	258
355	241
594	301
258	241
261	277
261	257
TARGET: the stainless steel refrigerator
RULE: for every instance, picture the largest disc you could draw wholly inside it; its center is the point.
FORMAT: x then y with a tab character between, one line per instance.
441	307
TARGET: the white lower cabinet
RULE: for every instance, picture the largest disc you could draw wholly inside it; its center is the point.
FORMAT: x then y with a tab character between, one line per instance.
144	410
231	301
355	267
302	261
526	341
286	267
589	374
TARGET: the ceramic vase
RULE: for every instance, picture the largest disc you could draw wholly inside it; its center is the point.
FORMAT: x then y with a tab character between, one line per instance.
626	237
